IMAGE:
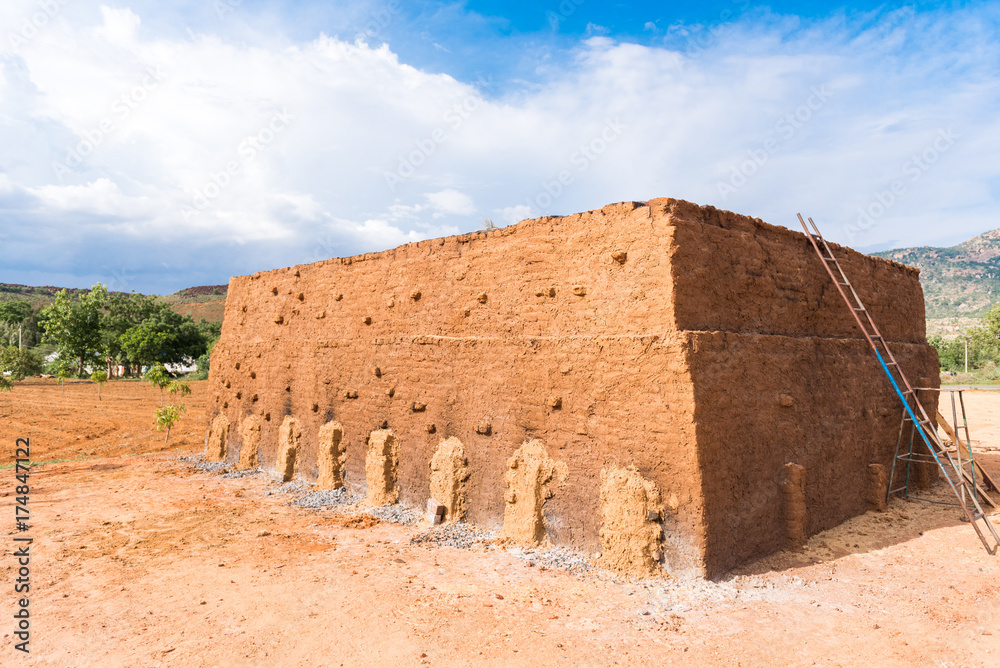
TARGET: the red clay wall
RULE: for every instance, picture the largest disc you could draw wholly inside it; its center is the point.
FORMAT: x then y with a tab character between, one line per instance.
505	321
782	374
674	358
762	401
739	274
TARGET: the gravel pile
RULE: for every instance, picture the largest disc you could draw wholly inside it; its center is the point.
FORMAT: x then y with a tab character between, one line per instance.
464	536
554	557
396	514
211	467
456	534
202	465
325	498
246	473
294	487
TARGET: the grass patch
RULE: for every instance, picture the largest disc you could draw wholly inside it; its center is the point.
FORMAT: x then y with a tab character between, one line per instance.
51	461
986	376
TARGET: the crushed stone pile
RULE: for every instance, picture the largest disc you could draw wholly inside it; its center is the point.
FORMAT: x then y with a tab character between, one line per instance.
456	534
326	498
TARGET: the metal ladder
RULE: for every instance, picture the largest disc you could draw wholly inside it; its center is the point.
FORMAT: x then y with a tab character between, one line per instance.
910	454
915	411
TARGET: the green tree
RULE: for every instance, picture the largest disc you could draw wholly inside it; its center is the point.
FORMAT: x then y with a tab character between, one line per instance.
159	377
949	357
20	363
143	345
100	377
14	313
75	326
167	417
204	362
5	384
211	331
123	312
165	337
985	336
99	328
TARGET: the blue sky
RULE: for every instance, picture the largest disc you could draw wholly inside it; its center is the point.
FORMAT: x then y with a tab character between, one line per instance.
154	146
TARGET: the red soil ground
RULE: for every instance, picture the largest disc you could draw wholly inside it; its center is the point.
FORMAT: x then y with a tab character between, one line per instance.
140	560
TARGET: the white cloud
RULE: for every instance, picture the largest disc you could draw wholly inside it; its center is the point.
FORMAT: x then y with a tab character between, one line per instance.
451	201
515	214
119	25
227	154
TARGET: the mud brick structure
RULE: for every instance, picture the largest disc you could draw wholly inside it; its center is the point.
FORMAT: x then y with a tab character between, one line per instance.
681	353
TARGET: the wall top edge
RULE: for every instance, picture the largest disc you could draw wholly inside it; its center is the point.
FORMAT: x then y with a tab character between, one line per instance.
678	210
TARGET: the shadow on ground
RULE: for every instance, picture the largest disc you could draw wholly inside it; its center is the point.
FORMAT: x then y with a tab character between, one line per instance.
904	520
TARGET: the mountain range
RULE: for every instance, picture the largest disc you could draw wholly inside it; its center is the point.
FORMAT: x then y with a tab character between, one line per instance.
960	283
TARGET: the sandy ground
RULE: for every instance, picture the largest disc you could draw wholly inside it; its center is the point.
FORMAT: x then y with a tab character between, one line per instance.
983	412
141	559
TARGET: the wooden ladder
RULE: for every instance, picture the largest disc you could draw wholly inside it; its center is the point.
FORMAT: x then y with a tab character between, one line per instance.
907	395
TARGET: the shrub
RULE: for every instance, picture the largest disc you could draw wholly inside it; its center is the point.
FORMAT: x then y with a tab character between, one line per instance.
159	377
167	417
99	377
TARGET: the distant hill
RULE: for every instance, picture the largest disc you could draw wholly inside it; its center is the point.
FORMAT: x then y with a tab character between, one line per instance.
205	301
959	282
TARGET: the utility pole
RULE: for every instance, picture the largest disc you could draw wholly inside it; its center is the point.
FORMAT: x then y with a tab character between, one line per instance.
966	354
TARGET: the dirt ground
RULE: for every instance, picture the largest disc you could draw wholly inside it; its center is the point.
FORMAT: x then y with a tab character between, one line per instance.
142	559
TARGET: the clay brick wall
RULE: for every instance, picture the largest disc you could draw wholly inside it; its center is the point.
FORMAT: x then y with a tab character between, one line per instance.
658	335
738	274
781	373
